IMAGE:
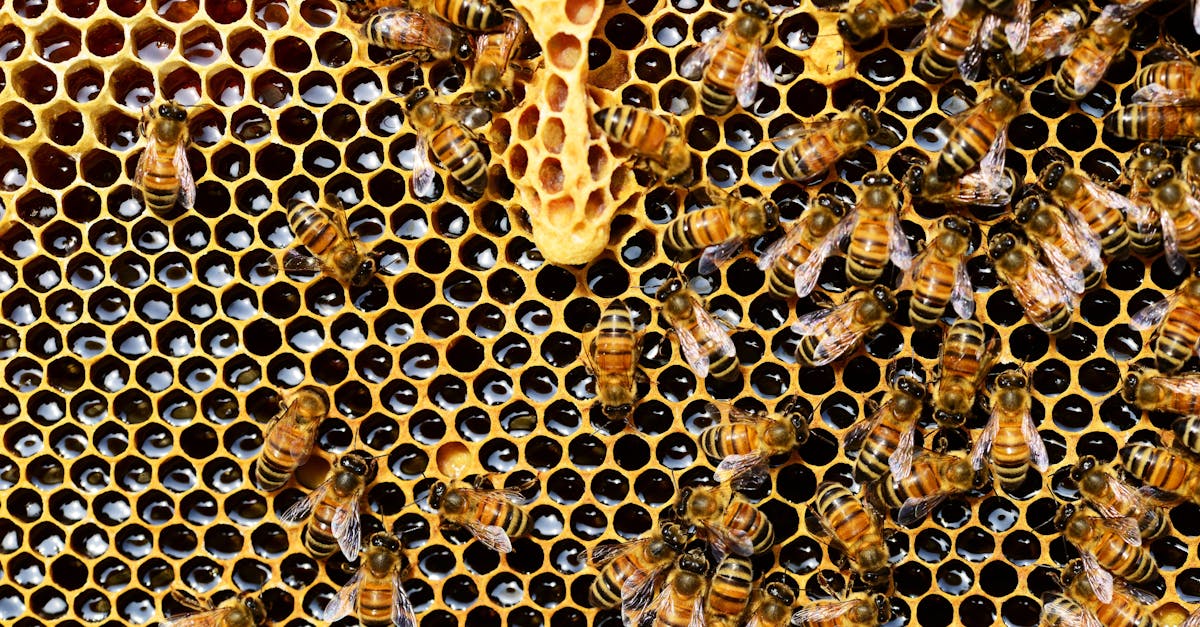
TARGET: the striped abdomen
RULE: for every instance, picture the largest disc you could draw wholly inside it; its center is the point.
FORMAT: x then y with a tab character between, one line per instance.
637	129
1187	230
740	438
945	46
809	157
1153	123
699	229
717	90
720	365
782	281
513	520
868	251
1156	467
1010	453
1090	61
160	183
877	449
284	450
1125	611
460	154
318	534
741	515
967	144
932	285
844	514
921	482
313	228
729	590
1124	560
613	348
375	598
1108	223
1177	340
469	14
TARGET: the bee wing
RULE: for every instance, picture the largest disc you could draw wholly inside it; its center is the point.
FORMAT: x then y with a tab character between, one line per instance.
807	272
1151	315
1175	258
346	599
736	414
776	250
855	435
1087	79
813	321
346	526
698	618
725	540
1122	493
207	618
950	8
1043	286
422	174
716	255
693	354
699	58
898	248
1193	619
900	463
796	132
187	185
709	326
838	333
987	437
1017	28
1078	234
1125	527
1070	275
1063	611
1101	580
1182	385
1037	447
139	174
1140	596
755	70
493	537
970	64
822	612
605	553
962	298
1109	197
738	465
1161	95
301	509
637	590
403	614
915	509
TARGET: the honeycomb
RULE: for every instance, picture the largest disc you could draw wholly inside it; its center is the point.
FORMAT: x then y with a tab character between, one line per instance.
143	357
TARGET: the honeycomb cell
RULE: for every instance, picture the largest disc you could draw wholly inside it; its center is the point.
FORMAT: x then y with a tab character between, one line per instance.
246	46
225	12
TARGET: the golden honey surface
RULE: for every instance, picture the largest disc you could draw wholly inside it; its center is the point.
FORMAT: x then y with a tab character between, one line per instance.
142	357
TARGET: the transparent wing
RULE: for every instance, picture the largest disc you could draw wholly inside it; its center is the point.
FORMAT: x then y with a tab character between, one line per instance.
346	527
1125	528
822	612
736	414
971	62
346	599
725	540
950	8
1041	287
1017	28
716	255
1071	276
855	436
1110	198
1151	315
295	261
983	446
422	176
915	510
1101	580
737	465
1037	447
813	322
699	58
638	589
991	165
403	614
301	509
605	553
1123	493
807	272
139	174
1078	234
698	618
754	71
898	248
1175	258
187	185
1065	612
791	239
1156	94
1087	79
1139	596
839	338
710	328
795	132
962	298
900	463
693	354
1193	619
209	618
493	537
1188	385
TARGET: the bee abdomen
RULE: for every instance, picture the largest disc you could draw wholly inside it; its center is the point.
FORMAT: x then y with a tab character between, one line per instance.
697	230
160	186
930	296
460	154
471	14
808	158
1177	340
729	592
717	88
319	543
313	229
375	605
269	475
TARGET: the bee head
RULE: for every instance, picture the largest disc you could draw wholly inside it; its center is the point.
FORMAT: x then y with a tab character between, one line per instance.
885	298
1133	380
463	50
258	612
914	180
491	98
693	561
780	592
1157	151
947	419
685	498
437	493
1012	379
1053	174
359	463
883	609
1161	177
385	541
1026	208
365	271
799	422
1000	245
1193	146
172	111
833	204
911	387
870	121
956	224
1011	89
1071	572
877	179
416	98
770	215
615	412
669	287
675	536
756	9
1063	518
1081	467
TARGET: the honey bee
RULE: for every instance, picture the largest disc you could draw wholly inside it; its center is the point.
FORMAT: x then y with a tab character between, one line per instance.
1102	209
939	275
1108	547
1165	471
820	145
725	519
630	571
1190	168
861	610
244	611
1155	122
869	17
1178	322
1129	606
492	516
706	347
729	592
733	62
1178	394
965	360
336	252
681	602
1010	437
376	592
447	129
290	437
612	358
1044	297
1168	82
1064	240
991	185
1187	433
1053	33
830	333
934	478
1059	610
657	142
950	43
980	130
1113	498
1145	234
1086	64
772	606
887	438
493	74
416	34
163	175
856	530
334	506
1179	209
875	233
720	230
795	260
749	438
477	15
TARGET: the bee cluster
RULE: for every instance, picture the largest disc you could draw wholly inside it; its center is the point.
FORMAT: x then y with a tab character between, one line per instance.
999	425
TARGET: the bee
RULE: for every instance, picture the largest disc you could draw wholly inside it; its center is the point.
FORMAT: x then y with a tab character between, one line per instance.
1065	241
949	44
416	34
720	230
1191	166
981	130
376	592
681	602
1178	394
771	606
477	15
939	275
749	438
1152	121
492	516
1085	66
991	185
934	478
1187	433
831	332
334	507
1129	606
494	70
1145	234
706	347
1174	81
1102	209
875	233
733	62
727	521
820	145
630	571
729	592
1165	471
657	142
612	358
1053	33
336	252
244	611
856	530
447	129
1179	210
1010	437
869	17
163	175
1108	547
290	437
1178	322
795	260
887	438
966	357
1044	297
1113	498
858	611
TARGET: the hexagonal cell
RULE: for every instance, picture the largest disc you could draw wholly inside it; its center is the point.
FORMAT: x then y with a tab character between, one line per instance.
58	42
152	41
132	85
178	11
